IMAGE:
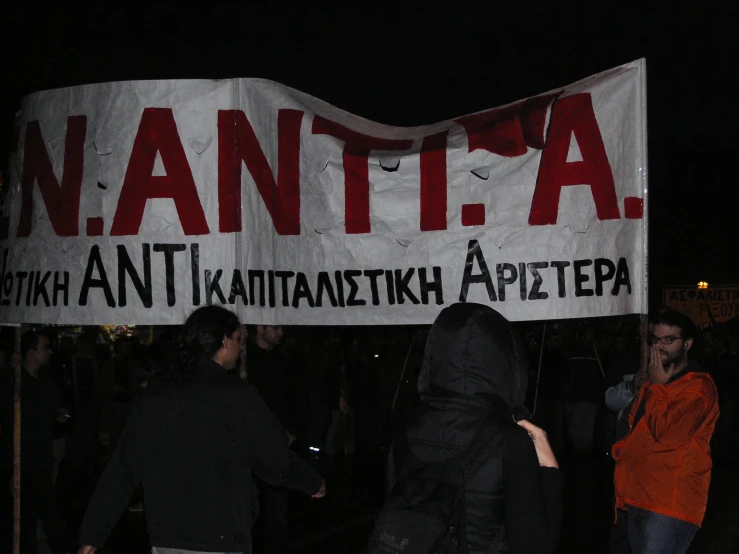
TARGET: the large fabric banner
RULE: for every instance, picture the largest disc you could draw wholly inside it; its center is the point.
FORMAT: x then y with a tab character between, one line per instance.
135	202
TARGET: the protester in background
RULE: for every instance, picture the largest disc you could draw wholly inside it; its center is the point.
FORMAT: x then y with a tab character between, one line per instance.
550	401
584	391
117	384
269	372
193	440
40	408
663	465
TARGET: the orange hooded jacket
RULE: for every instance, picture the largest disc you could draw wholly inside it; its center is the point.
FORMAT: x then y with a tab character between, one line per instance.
664	464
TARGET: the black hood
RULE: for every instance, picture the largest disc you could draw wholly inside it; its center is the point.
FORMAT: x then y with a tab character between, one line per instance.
473	358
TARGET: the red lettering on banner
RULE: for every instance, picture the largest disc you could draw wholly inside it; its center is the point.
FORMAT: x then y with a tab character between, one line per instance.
357	147
633	207
433	182
62	201
509	131
573	115
237	144
158	133
534	119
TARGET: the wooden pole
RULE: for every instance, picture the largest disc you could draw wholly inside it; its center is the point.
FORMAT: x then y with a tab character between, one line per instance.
644	332
17	447
242	368
243	376
402	373
538	371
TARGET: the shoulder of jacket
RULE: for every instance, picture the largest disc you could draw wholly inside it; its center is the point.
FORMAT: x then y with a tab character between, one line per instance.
697	380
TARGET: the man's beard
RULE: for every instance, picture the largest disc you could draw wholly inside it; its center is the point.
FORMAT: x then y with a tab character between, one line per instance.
676	358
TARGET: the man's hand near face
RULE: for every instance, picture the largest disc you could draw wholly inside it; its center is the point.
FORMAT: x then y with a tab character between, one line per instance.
658	373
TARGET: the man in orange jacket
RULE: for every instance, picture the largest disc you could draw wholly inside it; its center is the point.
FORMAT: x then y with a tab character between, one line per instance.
663	465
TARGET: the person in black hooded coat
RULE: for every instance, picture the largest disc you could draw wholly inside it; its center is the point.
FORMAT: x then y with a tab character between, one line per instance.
474	368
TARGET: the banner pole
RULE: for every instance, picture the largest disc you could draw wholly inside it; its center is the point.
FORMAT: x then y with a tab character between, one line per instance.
17	446
402	373
644	340
538	371
242	359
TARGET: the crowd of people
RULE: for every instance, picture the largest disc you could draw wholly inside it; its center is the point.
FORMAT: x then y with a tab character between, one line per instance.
94	410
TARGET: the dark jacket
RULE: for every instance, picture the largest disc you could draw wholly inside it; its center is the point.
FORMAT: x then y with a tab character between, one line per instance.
193	447
39	403
474	368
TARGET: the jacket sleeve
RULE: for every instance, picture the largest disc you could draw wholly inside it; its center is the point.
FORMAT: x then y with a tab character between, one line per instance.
266	441
114	491
619	396
674	417
533	498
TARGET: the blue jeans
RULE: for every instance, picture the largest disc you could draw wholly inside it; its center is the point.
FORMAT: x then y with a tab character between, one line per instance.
652	533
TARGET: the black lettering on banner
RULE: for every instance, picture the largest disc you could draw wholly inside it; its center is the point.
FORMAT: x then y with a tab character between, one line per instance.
195	268
605	269
373	274
284	276
302	290
20	276
271	288
622	277
253	274
125	265
39	289
7	287
390	286
534	268
237	288
401	286
169	252
213	285
325	284
340	288
94	262
29	289
522	279
561	288
474	253
4	301
581	278
436	285
500	270
349	276
64	287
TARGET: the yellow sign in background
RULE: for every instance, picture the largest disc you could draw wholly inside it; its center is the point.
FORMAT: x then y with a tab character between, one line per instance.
706	307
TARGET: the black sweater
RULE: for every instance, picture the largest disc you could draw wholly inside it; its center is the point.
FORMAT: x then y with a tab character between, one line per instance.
193	447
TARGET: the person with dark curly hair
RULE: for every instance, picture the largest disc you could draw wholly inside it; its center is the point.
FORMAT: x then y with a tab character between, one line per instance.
193	440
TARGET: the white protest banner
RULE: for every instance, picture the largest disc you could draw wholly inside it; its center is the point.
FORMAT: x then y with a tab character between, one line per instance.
135	202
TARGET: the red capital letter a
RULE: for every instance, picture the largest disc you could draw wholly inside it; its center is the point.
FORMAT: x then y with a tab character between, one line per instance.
158	133
62	201
238	144
573	115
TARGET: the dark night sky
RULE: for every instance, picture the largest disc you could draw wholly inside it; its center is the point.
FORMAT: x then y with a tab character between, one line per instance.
408	67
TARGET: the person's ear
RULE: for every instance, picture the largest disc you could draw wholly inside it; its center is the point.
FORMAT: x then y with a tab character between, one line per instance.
688	344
